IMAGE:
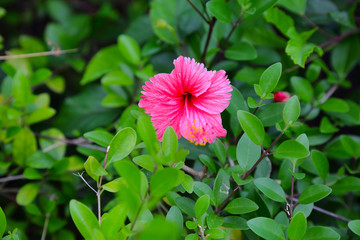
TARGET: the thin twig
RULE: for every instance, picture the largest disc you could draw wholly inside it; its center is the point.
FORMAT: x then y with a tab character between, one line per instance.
46	223
12	178
327	212
292	197
82	178
137	215
198	11
98	194
314	25
237	23
56	52
194	172
329	93
211	27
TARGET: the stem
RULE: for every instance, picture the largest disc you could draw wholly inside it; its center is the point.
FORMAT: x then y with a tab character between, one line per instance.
237	23
43	235
82	178
327	212
211	26
201	231
98	194
329	93
311	23
56	52
265	153
12	178
198	11
292	194
137	215
194	172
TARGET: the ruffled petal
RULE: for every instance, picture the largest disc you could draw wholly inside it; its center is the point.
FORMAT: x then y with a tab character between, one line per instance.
217	97
201	127
195	79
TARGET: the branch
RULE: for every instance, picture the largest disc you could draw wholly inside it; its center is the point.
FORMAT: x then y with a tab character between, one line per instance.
327	212
329	93
12	178
237	23
194	172
211	26
56	52
198	11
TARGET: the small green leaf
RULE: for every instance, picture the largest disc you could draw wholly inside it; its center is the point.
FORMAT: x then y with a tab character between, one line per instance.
113	221
117	78
32	174
147	133
297	227
188	183
145	161
169	144
163	181
220	9
40	160
346	184
101	137
130	173
186	205
247	152
321	233
252	126
302	88
122	144
335	105
266	228
281	20
291	111
321	163
252	103
201	189
221	187
271	115
291	149
94	169
235	222
271	189
39	115
220	150
208	161
326	126
24	145
27	194
241	206
270	78
354	226
21	89
202	205
85	221
241	51
114	185
351	146
216	233
129	49
314	193
2	222
174	215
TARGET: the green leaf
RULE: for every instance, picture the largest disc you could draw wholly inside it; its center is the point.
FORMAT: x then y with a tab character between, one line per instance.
113	221
85	221
202	205
174	215
188	183
291	111
163	181
39	115
145	161
247	153
216	233
114	185
130	173
303	88
351	146
104	61
94	169
21	89
271	115
291	149
314	193
169	144
266	228
252	103
344	56
270	78
346	184
271	189
297	227
241	206
201	189
252	126
122	144
326	126
237	102
101	137
220	150
221	187
186	205
220	9
282	21
56	84
235	222
2	222
335	105
40	75
39	160
321	163
321	233
147	134
354	226
27	193
240	51
129	49
260	6
45	143
208	161
32	174
24	145
117	78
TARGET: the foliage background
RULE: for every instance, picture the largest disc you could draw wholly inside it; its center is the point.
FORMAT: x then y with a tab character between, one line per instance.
57	110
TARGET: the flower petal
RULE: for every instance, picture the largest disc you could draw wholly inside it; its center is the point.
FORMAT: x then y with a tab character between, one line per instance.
217	97
195	79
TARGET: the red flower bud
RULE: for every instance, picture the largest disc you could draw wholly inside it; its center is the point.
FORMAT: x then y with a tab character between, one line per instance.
281	96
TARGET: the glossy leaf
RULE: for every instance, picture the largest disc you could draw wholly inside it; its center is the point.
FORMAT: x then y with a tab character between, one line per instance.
147	134
252	126
247	152
163	181
297	227
202	205
129	49
101	137
241	51
271	189
303	88
266	228
291	111
237	102
94	168
314	193
354	226
220	9
321	163
27	194
291	149
241	206
335	105
270	78
174	215
122	144
170	143
321	233
2	222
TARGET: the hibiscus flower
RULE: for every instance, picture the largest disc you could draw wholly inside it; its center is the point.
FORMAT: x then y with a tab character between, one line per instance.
189	99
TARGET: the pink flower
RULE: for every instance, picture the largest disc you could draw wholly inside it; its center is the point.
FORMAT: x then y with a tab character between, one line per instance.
281	96
189	99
